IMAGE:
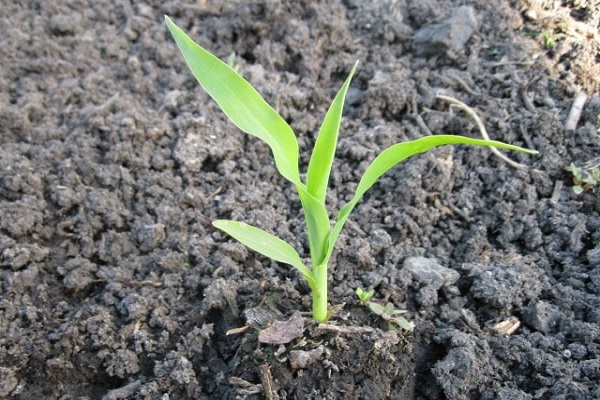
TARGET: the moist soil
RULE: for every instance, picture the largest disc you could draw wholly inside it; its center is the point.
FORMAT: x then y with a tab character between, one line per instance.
113	163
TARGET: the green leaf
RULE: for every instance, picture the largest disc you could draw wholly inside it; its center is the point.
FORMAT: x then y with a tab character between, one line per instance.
266	244
321	160
376	308
577	173
244	106
317	177
319	168
404	324
389	309
318	227
364	296
251	113
395	154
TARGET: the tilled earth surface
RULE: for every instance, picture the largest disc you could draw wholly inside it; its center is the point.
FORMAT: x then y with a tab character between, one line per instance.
113	163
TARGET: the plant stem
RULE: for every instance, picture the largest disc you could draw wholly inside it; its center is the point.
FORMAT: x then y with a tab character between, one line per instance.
319	293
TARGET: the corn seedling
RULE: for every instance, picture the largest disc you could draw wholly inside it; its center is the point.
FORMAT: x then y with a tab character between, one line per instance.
245	107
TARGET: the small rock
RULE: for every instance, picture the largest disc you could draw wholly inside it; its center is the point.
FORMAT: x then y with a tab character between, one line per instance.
134	307
122	363
541	316
428	272
300	359
354	96
578	351
450	291
593	256
511	394
427	296
150	237
591	368
16	257
123	392
62	25
450	34
221	294
183	372
26	278
507	285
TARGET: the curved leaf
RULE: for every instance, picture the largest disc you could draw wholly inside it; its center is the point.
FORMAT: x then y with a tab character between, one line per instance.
244	106
266	244
317	176
318	226
321	160
395	154
251	113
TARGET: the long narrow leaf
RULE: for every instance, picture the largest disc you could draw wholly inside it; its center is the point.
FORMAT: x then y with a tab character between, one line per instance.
321	160
317	177
318	226
395	154
266	244
241	103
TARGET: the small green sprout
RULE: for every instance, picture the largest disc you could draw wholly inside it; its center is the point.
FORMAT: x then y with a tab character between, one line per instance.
253	115
549	40
363	296
391	315
584	179
387	312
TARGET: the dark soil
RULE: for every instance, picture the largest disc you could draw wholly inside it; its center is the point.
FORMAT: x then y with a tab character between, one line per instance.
113	163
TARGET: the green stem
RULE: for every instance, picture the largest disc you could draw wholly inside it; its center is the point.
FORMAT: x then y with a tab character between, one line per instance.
319	293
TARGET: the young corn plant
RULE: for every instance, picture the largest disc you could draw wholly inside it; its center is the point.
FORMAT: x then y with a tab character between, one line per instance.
245	107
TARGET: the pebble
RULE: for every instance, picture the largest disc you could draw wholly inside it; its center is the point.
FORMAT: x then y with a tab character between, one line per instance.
62	25
300	359
450	34
428	272
541	316
593	256
431	277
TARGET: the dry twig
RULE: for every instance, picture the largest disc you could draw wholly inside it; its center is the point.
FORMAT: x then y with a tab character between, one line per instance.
508	63
464	85
417	117
575	113
558	185
267	382
349	330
